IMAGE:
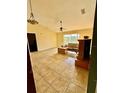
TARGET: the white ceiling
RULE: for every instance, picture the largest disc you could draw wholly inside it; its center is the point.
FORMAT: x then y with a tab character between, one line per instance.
50	12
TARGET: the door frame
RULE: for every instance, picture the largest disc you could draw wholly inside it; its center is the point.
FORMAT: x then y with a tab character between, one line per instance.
92	78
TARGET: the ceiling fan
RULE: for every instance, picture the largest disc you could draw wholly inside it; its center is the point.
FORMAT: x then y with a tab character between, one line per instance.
31	19
61	26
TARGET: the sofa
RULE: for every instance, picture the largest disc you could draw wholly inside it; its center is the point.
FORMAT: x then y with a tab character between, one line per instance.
72	47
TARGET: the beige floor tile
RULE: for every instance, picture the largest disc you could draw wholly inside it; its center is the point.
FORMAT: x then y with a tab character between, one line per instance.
51	90
37	76
72	88
50	77
41	86
57	73
43	71
60	84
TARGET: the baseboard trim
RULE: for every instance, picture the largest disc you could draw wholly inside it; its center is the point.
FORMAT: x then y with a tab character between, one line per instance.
46	49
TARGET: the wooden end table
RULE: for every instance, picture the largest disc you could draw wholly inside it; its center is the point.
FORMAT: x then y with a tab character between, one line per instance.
62	50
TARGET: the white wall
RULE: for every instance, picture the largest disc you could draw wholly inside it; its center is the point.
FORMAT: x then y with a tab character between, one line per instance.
46	38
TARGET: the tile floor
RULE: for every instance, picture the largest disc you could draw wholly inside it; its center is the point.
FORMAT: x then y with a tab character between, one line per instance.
57	73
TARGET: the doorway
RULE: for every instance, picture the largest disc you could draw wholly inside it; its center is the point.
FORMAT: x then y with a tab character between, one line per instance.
32	42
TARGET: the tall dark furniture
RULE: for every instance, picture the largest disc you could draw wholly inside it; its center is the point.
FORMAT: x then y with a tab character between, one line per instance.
83	57
32	42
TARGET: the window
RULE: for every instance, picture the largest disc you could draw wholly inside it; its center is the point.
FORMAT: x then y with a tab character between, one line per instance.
70	38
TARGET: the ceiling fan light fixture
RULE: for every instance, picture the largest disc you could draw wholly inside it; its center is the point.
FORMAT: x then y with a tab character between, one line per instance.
32	20
83	11
61	28
61	22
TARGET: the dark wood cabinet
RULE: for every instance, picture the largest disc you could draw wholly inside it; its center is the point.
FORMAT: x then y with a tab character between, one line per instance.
84	49
83	57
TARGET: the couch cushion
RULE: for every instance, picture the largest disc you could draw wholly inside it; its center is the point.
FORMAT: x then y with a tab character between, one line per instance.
72	45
